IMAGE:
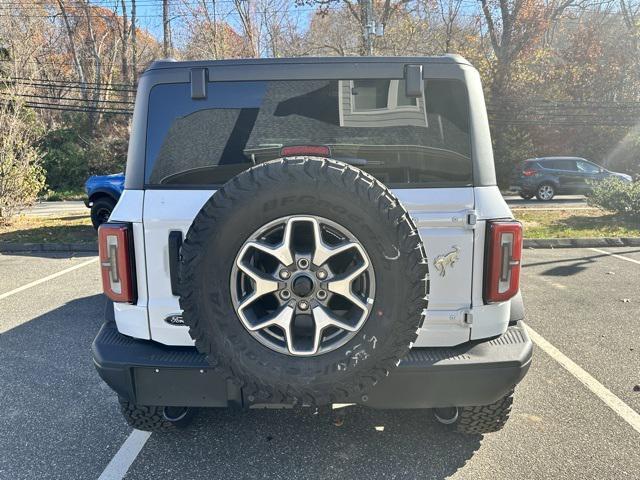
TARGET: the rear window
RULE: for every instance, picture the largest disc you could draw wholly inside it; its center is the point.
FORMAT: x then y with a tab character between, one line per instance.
566	164
372	124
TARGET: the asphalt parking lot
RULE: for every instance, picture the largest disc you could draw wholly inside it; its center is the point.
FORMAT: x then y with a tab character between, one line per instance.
60	421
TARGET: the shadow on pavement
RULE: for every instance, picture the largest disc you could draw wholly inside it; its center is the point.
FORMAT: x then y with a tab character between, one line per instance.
568	270
572	266
298	444
61	421
58	418
41	254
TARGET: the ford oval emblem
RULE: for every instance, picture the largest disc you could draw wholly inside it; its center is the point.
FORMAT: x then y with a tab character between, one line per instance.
174	320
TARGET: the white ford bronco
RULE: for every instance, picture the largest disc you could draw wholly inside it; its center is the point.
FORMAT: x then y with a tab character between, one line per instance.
307	232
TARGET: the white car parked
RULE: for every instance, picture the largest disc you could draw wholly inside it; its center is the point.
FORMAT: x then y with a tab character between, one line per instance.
309	231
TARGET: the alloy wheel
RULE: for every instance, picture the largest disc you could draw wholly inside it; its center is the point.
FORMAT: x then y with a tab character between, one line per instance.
302	285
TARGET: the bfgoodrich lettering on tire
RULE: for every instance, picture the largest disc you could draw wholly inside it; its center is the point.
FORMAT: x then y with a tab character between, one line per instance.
304	280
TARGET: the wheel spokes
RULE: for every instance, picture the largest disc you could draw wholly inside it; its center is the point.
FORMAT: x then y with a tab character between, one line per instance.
282	251
269	293
342	286
262	285
280	319
323	252
324	320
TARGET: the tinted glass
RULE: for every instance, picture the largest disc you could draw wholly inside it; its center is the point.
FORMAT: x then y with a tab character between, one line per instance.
368	123
561	165
587	167
369	94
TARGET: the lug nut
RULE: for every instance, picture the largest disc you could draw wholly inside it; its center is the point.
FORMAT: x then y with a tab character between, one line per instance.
303	263
303	305
321	294
285	294
285	274
321	274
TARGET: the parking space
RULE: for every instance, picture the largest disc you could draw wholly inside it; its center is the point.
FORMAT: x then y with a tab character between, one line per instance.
60	421
632	254
21	269
587	303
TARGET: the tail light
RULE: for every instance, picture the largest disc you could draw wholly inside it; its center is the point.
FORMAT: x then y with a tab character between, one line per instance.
314	150
529	172
115	244
504	254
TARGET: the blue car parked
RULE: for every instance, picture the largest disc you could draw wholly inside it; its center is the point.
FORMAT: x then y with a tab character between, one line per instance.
103	192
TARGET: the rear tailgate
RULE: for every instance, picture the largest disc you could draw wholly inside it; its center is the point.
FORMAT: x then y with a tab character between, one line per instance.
441	214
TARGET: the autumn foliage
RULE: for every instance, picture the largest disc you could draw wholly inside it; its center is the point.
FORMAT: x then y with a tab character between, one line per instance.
561	77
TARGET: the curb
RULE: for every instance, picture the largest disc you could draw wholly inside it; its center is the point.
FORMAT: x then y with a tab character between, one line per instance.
48	247
581	242
528	243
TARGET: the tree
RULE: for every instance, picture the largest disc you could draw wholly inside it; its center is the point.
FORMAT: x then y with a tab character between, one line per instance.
631	13
21	173
515	28
366	13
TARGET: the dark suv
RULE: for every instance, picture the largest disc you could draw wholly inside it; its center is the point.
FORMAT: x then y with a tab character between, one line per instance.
547	176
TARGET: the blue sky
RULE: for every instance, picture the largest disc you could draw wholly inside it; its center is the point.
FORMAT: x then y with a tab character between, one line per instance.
149	14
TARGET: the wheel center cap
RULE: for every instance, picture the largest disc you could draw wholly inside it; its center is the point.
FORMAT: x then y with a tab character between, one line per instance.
302	286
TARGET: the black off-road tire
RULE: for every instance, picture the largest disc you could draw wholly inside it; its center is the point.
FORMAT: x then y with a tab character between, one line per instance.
327	189
486	418
154	419
101	210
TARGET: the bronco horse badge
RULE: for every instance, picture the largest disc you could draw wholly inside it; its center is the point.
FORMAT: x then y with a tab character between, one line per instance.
441	262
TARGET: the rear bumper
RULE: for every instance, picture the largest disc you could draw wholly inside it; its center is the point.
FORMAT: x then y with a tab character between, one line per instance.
475	373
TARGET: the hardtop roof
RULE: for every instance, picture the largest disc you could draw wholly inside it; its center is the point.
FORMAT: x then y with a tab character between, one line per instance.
170	63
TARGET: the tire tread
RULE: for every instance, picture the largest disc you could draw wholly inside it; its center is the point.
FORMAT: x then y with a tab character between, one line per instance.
367	191
485	418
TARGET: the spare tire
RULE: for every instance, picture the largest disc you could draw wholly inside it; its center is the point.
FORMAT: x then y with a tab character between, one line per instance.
304	280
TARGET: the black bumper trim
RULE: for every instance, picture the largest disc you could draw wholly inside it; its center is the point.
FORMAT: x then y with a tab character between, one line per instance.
475	373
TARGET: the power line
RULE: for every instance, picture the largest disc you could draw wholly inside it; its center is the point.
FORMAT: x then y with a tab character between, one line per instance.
49	97
45	106
46	83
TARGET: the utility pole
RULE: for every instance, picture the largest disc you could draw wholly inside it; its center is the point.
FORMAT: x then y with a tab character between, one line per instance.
369	26
166	30
372	29
134	43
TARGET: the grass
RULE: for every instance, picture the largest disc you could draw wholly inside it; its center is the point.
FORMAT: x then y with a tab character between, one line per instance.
66	229
569	223
73	194
561	223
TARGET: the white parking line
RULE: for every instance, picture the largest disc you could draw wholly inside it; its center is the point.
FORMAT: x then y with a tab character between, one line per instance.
627	413
122	460
47	278
632	260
